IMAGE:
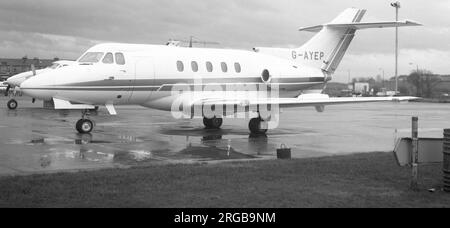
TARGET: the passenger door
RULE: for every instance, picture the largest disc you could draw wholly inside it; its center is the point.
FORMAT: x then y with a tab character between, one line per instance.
116	82
123	78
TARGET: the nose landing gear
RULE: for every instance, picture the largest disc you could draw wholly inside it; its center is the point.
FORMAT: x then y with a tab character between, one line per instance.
12	104
84	125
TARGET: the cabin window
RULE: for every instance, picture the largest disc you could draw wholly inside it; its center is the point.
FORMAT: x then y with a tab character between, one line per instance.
120	59
237	67
180	66
194	66
209	67
91	57
265	75
109	59
224	67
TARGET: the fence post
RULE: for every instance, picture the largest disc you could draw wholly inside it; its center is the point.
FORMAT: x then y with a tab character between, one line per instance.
415	153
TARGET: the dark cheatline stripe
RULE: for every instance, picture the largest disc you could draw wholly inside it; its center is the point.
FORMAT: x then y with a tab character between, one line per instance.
168	84
208	87
111	88
161	82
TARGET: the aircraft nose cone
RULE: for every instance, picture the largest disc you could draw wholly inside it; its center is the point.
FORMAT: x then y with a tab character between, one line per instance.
9	81
28	85
16	80
34	87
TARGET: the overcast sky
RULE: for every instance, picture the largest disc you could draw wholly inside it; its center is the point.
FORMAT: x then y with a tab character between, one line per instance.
66	28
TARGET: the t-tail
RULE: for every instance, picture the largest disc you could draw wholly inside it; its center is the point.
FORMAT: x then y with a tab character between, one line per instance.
327	48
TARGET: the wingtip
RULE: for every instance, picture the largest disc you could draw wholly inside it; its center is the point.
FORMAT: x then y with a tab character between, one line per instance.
414	23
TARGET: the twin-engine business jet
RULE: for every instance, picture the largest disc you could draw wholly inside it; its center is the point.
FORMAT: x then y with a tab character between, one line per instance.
207	83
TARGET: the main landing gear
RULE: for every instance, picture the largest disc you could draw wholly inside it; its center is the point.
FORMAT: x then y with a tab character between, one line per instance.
255	126
214	123
84	125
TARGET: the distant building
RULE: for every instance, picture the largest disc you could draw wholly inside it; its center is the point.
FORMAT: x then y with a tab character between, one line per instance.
445	78
403	78
362	88
10	67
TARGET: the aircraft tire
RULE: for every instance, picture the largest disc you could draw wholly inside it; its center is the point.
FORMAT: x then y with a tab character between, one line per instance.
214	123
255	127
84	126
12	104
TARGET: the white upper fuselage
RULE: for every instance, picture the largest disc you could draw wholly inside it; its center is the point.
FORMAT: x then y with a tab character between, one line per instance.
148	74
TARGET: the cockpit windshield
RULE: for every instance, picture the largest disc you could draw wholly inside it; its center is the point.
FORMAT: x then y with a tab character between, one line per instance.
91	57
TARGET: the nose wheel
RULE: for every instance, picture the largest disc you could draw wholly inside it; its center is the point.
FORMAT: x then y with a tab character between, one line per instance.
12	104
84	125
214	123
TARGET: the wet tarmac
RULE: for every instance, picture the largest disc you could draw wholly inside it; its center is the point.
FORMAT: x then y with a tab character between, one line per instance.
35	140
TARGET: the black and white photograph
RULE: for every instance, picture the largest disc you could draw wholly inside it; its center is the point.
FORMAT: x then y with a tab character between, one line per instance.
232	104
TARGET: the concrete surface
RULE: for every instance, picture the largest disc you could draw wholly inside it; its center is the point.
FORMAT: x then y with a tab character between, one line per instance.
35	140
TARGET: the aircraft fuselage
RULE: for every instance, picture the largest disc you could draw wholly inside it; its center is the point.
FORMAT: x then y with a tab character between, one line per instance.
150	74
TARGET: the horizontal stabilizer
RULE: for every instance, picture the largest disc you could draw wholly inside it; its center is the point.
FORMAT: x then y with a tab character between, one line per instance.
362	25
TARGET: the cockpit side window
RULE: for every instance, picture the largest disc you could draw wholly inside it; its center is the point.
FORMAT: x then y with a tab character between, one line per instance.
91	57
120	59
109	59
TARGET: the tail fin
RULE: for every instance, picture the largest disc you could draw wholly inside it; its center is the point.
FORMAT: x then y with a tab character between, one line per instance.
327	48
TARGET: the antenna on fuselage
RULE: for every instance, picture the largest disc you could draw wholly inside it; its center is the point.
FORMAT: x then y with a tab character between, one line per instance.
192	40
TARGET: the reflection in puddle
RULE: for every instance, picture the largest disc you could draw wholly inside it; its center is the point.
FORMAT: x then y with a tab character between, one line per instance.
45	161
132	156
80	139
182	144
11	113
214	153
128	138
59	158
38	141
211	138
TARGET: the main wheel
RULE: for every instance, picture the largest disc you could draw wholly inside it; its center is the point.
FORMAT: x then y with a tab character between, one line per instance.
12	104
214	123
255	127
84	126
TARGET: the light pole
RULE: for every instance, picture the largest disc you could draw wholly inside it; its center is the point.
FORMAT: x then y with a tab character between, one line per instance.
420	77
397	6
349	76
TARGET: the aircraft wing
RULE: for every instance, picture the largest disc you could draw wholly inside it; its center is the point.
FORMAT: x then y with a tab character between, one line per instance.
316	100
65	104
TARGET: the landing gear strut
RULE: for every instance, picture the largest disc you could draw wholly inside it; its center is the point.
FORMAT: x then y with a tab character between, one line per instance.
12	104
84	125
255	126
214	123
